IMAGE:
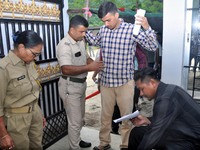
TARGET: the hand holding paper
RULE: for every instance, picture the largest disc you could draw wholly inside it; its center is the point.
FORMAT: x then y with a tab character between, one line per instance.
127	117
137	27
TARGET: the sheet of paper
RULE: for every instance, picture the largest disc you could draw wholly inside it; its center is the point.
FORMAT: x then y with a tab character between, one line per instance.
127	117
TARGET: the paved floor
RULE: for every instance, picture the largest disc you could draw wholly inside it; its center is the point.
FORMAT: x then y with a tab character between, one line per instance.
90	135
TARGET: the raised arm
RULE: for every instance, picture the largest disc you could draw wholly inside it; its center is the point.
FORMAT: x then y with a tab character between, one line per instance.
146	37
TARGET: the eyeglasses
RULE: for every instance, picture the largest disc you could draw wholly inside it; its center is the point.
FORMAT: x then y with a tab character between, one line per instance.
35	54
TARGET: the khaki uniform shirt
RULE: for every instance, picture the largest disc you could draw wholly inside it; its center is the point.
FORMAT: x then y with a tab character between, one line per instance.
18	83
70	52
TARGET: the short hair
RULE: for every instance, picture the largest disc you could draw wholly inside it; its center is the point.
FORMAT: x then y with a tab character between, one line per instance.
28	38
78	20
105	8
144	73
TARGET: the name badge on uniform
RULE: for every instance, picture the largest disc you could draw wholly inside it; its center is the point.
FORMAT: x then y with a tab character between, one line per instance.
21	77
78	54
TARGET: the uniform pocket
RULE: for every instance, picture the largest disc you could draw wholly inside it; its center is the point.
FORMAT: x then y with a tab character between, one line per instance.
16	83
63	90
20	87
77	88
18	123
10	122
14	88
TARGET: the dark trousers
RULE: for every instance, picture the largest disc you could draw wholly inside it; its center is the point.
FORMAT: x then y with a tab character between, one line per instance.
137	134
135	99
116	115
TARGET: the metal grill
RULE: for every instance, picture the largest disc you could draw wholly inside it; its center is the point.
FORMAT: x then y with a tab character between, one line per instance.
51	32
54	113
55	129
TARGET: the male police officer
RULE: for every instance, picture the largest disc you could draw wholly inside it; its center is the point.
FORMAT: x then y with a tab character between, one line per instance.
75	63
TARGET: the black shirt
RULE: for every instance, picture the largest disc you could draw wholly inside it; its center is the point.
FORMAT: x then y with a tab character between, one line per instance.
176	117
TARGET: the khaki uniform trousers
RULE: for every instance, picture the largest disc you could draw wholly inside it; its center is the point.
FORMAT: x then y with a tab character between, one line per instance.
123	96
26	129
73	96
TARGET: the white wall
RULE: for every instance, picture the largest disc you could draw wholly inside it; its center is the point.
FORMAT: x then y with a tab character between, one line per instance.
65	17
174	12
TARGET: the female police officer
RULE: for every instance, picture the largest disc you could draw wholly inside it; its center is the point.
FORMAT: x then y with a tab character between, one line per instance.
21	125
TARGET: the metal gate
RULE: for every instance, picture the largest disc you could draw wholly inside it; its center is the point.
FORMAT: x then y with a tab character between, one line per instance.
45	18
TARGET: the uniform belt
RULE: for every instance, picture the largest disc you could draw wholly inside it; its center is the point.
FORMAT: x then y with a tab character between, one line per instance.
77	80
24	109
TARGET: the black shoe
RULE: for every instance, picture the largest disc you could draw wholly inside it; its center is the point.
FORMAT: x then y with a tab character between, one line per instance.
84	144
114	132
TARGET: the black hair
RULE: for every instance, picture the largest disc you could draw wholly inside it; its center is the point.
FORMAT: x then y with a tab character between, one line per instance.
145	73
28	38
78	20
105	8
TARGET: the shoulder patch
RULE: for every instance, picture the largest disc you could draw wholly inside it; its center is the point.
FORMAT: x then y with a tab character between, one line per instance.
67	43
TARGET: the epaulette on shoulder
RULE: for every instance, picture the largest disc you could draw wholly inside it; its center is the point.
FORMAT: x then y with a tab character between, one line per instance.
67	43
3	63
